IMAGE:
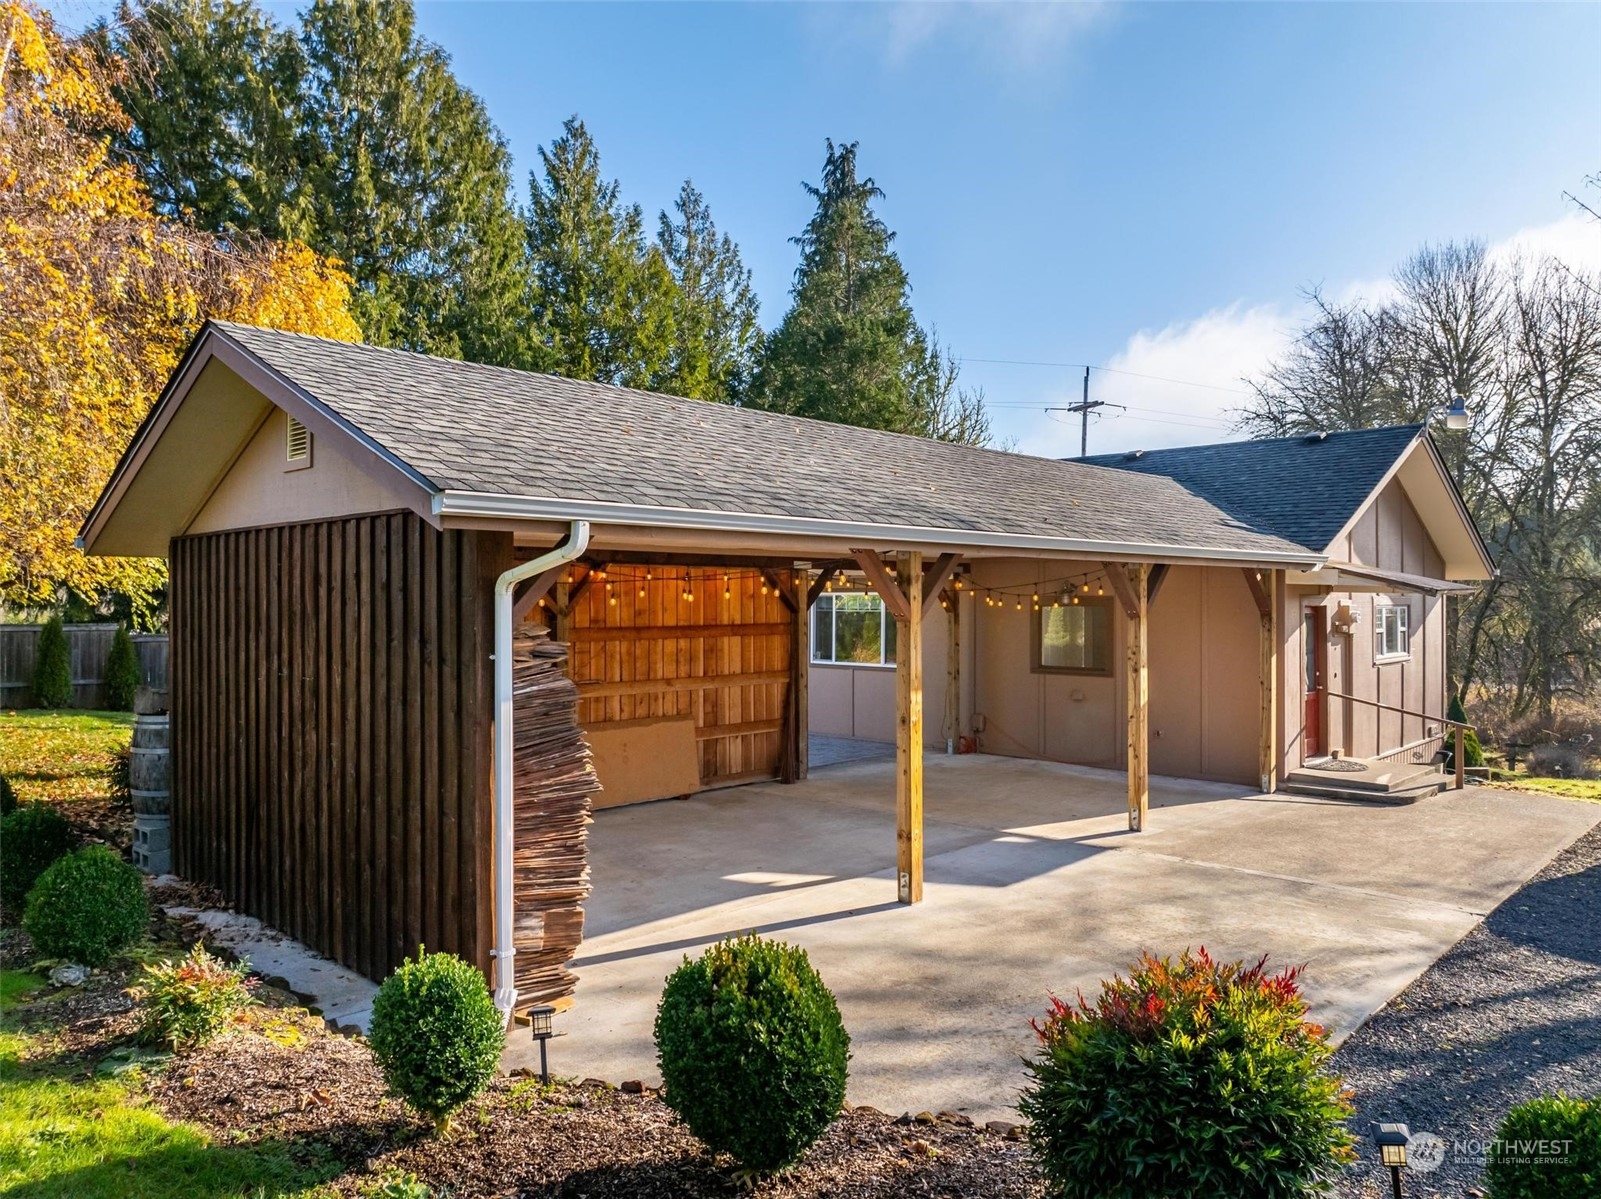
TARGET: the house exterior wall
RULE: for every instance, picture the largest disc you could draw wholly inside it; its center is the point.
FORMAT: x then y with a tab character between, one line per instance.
859	701
258	488
1389	535
331	720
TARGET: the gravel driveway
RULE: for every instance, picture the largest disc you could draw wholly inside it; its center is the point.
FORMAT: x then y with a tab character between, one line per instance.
1512	1011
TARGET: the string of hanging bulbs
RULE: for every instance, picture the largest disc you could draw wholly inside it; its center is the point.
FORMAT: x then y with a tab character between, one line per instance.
1067	590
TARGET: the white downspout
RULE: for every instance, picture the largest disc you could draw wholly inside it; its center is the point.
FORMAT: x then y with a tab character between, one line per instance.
505	952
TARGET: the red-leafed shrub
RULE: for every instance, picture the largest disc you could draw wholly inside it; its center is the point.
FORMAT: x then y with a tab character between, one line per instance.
1187	1078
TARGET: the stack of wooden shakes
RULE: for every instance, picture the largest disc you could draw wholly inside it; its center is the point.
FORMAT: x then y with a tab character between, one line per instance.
553	780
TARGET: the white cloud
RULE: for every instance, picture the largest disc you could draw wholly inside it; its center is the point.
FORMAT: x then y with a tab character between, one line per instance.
1227	345
1012	34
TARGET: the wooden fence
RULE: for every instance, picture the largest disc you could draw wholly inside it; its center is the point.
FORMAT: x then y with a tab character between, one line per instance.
88	645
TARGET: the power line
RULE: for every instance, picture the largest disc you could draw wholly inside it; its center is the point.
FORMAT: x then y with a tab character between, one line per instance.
1112	370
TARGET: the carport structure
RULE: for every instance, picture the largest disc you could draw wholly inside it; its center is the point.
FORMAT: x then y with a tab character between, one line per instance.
340	520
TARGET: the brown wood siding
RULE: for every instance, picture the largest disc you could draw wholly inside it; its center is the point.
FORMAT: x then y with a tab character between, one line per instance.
331	710
725	660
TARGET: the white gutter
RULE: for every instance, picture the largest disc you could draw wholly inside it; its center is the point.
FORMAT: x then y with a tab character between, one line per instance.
505	952
514	507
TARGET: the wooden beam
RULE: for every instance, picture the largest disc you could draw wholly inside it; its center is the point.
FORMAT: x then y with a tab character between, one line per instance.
800	679
1266	592
908	731
1117	576
1158	577
889	590
676	632
1135	581
785	589
534	591
1259	589
935	578
704	682
826	574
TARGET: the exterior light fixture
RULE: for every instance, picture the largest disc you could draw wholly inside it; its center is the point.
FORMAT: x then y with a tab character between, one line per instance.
1392	1142
539	1024
1456	416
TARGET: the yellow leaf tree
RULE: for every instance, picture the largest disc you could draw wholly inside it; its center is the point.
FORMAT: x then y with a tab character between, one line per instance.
98	299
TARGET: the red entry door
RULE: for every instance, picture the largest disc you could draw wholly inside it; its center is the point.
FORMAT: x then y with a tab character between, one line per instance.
1316	651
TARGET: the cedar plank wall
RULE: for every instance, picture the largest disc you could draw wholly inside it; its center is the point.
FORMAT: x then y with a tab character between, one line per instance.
331	710
626	656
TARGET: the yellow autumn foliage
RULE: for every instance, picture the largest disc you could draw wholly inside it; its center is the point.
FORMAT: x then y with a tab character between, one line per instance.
99	297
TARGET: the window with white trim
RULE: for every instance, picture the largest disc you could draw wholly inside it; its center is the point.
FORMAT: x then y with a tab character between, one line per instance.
852	629
1074	638
1390	630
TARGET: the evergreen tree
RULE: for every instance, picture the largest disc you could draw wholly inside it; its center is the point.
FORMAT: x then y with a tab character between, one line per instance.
603	297
849	349
412	186
52	667
122	672
210	87
716	336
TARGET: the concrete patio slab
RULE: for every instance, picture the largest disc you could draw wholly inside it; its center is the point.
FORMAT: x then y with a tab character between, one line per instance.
1033	885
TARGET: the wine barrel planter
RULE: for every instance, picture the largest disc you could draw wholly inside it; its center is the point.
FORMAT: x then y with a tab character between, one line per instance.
150	770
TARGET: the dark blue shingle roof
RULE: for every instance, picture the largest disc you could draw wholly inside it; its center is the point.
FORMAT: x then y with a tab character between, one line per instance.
1303	488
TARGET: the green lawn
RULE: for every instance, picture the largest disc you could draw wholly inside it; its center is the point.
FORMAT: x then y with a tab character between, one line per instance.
61	756
1589	789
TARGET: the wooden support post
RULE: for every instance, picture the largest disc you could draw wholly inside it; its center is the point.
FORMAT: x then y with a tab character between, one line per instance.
1461	759
801	686
1265	591
1137	578
909	727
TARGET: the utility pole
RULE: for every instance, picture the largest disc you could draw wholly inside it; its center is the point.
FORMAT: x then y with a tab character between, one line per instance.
1084	407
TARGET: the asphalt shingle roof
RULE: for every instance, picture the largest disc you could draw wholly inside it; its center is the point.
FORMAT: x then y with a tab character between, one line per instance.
1305	489
493	430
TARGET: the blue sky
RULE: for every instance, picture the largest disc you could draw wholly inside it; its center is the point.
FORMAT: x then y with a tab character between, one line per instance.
1144	187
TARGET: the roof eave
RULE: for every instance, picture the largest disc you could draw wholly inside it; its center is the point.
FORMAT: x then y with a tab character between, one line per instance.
492	506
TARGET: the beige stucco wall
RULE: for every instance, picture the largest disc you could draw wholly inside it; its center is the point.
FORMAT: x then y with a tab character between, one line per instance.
257	490
1389	536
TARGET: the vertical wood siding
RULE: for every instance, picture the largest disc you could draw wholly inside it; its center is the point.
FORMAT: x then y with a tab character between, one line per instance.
331	705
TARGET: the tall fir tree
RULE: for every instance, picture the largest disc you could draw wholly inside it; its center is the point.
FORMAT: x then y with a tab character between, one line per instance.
210	89
603	297
412	186
716	335
850	349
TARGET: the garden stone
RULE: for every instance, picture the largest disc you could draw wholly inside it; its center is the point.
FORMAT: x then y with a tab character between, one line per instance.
69	974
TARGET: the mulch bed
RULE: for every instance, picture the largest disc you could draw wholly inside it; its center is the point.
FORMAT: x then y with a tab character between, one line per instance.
1512	1011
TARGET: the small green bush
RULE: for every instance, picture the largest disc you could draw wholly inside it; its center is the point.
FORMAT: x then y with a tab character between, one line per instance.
437	1034
1472	751
1546	1147
1186	1079
120	775
31	838
753	1051
86	907
8	797
122	672
52	667
191	1000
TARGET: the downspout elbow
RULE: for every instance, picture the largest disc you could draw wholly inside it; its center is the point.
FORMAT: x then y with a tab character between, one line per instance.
504	952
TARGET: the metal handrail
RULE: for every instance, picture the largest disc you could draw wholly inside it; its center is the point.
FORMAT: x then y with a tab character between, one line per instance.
1461	727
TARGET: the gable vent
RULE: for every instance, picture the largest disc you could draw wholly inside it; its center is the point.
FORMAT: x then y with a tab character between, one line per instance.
298	447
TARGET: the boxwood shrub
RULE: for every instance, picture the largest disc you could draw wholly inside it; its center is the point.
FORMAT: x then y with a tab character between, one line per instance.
1546	1147
437	1034
31	838
753	1051
1188	1078
86	907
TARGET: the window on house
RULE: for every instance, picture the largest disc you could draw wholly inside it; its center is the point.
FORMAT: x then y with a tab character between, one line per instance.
1075	638
852	629
1390	630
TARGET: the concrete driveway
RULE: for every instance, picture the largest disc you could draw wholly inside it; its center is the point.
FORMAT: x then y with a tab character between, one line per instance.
1033	884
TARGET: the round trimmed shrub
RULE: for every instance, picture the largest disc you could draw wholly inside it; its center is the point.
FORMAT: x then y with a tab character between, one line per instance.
1547	1146
437	1034
1187	1078
8	797
753	1051
86	907
31	838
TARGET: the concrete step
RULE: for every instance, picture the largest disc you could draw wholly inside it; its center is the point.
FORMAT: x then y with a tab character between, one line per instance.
1403	795
1368	775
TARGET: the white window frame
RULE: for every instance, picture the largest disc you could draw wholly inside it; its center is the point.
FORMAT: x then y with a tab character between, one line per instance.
1392	632
884	620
